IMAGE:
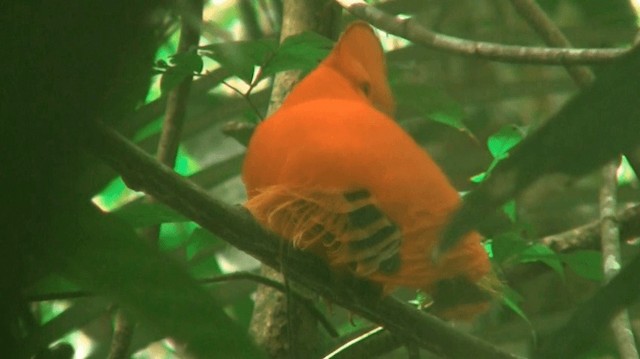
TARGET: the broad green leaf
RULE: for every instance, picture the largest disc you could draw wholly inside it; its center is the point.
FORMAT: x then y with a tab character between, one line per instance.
585	263
299	52
502	141
544	254
241	57
144	214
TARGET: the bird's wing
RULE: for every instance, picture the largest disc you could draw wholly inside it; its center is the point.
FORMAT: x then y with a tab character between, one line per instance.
345	226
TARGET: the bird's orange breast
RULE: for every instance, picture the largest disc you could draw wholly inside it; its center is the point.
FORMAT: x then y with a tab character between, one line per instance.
334	145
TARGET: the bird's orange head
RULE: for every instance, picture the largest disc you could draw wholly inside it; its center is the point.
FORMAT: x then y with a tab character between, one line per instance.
359	57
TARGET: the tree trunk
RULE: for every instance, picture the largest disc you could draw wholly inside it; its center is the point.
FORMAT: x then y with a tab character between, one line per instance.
287	330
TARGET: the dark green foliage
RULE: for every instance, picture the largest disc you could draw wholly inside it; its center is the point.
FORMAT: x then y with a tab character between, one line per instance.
585	263
298	52
181	65
141	214
590	319
593	127
67	64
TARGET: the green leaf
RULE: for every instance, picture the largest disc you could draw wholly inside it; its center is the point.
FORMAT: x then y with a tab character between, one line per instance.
544	254
510	299
241	57
112	195
299	52
452	118
64	323
479	178
188	61
104	255
151	128
202	240
488	247
585	263
182	66
144	214
509	209
502	141
174	237
205	267
507	245
626	174
421	300
433	103
201	253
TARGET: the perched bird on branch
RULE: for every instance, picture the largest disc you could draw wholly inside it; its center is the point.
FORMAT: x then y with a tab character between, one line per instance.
332	172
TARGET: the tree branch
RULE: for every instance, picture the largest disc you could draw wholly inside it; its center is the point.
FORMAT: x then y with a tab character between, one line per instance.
552	36
612	261
412	31
235	225
588	236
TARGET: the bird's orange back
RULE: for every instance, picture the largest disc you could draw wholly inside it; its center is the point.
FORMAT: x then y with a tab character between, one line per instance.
320	167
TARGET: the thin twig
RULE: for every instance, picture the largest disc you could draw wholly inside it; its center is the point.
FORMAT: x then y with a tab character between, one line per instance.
620	324
588	236
245	96
177	98
279	287
413	31
552	36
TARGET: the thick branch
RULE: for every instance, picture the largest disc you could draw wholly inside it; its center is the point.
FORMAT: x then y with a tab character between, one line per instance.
233	224
552	36
412	31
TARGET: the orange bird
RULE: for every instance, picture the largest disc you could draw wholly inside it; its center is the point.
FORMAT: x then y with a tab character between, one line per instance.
332	172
